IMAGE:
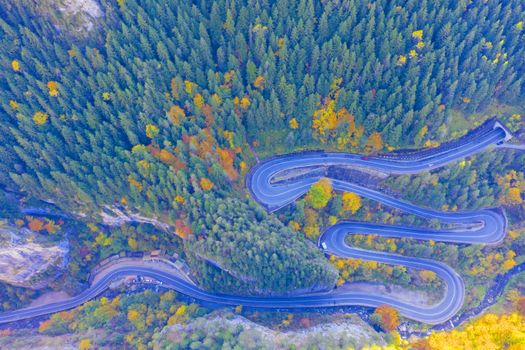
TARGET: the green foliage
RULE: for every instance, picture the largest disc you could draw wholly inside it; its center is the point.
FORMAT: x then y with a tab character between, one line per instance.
319	194
256	253
116	92
226	331
8	206
130	319
109	106
469	184
15	297
86	136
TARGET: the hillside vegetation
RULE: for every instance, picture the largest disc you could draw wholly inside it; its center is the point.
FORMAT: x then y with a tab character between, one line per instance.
160	108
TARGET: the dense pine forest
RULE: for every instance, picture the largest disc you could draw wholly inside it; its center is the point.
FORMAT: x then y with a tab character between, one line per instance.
161	108
158	108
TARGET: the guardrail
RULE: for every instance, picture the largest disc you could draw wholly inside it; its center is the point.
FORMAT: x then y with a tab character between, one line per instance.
481	130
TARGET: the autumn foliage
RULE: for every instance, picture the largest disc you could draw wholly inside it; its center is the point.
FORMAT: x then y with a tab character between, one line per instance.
182	230
326	122
206	184
427	275
152	131
15	65
320	193
512	187
259	82
493	263
85	344
293	123
133	315
351	202
57	322
198	100
389	317
330	123
167	157
311	227
40	118
135	183
36	225
226	157
53	88
374	143
176	115
488	332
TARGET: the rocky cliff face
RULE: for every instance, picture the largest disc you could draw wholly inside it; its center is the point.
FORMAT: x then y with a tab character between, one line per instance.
84	12
75	17
113	216
27	260
341	333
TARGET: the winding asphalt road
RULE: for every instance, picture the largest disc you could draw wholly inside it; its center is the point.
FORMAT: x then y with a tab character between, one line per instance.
486	226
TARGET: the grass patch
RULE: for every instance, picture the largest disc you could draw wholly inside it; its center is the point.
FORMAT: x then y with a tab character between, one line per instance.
459	121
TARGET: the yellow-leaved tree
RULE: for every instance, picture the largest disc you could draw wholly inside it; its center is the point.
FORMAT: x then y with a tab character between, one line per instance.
325	119
245	102
418	34
259	82
133	315
320	193
15	65
427	275
85	344
198	100
152	131
487	332
40	118
512	186
351	202
374	143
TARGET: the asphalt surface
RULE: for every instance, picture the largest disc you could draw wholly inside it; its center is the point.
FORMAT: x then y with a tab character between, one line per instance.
484	226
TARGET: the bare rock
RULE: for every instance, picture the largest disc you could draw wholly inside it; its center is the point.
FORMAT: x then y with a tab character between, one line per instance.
351	332
26	257
114	216
74	17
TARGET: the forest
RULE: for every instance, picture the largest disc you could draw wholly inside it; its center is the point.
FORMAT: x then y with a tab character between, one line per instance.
163	107
206	79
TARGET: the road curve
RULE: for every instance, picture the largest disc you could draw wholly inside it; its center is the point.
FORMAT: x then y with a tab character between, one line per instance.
485	226
273	186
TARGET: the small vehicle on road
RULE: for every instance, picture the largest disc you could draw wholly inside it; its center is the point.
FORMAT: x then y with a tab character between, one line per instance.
365	158
323	245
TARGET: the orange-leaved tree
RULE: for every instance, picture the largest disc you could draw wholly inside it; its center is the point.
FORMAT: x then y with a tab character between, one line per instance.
206	184
176	115
388	317
36	225
374	143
